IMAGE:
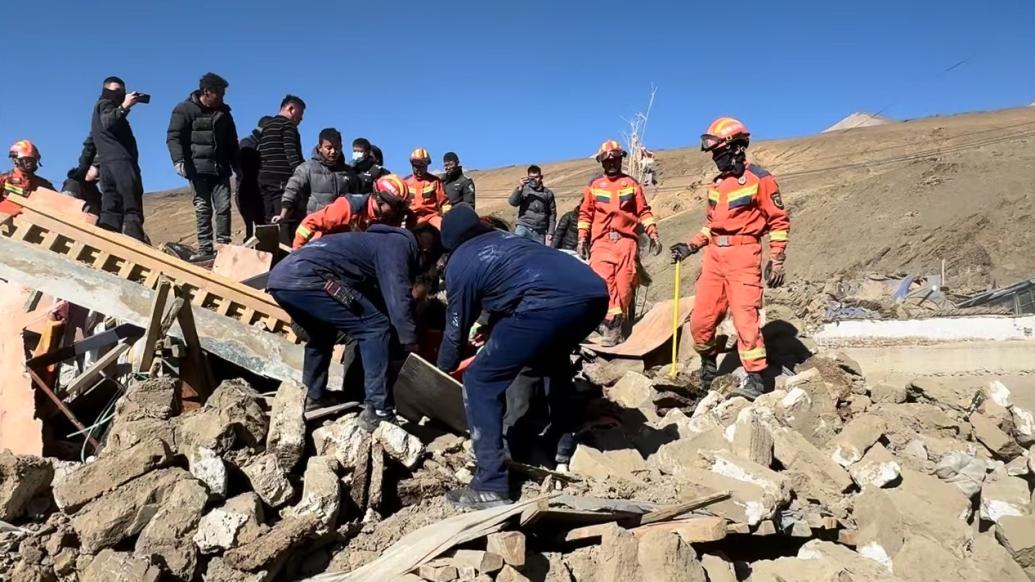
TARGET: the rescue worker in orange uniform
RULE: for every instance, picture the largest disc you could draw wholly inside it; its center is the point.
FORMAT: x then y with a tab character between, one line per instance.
613	207
22	178
428	201
356	212
744	205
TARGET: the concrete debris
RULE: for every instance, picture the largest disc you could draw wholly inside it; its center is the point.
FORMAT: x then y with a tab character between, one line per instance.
632	391
438	571
153	398
856	438
708	403
886	393
886	518
966	472
1003	496
751	437
993	561
1019	467
231	417
954	396
167	538
997	392
511	574
320	493
665	556
607	372
510	545
944	496
266	551
673	456
775	485
210	469
717	569
398	444
748	503
482	562
1000	444
345	440
286	437
238	521
109	471
22	477
1017	535
815	476
877	468
625	464
269	480
1023	426
112	566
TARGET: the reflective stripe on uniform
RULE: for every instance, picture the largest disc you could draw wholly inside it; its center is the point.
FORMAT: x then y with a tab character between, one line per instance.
304	232
706	231
705	347
601	194
614	311
713	196
778	235
742	196
583	225
9	187
755	354
649	221
626	194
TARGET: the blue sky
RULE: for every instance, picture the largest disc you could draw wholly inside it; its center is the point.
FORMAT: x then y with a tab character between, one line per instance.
508	82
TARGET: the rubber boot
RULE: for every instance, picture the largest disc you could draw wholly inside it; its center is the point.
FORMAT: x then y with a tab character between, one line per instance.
709	370
613	335
751	388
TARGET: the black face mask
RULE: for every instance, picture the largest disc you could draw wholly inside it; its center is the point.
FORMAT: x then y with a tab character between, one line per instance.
729	161
116	96
454	173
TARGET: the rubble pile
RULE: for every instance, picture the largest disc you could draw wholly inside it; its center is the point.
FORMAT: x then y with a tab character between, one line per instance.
827	477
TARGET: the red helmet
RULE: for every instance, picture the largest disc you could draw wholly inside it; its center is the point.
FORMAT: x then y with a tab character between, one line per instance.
420	156
392	189
723	131
610	149
24	149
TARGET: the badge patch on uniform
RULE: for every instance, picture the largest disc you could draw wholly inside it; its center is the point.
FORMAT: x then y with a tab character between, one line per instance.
742	180
777	200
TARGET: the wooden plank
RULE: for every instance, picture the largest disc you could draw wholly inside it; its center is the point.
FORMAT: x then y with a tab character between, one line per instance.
197	371
88	379
650	332
696	529
681	508
423	390
64	409
329	411
154	325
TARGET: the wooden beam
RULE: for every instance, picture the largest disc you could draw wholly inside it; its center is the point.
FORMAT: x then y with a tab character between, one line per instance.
89	377
198	372
154	325
681	508
64	409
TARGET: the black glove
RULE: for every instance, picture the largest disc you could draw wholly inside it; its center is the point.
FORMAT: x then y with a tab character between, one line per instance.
655	245
583	249
774	272
680	251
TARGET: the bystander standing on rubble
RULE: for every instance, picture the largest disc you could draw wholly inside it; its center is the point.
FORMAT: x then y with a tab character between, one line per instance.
203	144
248	195
537	207
122	189
280	152
318	182
459	186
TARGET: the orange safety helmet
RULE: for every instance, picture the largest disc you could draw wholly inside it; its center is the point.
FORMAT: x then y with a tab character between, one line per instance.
610	149
723	131
420	156
392	189
24	149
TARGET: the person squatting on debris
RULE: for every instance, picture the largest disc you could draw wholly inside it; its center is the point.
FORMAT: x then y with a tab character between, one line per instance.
613	207
280	152
22	179
541	304
428	200
537	207
359	283
122	190
203	144
744	204
357	212
459	186
318	182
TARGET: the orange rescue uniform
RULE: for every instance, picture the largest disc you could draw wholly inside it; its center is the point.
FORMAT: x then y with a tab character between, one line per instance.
740	211
612	210
18	182
347	213
428	200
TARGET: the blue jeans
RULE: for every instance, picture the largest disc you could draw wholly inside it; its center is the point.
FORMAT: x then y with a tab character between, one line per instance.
541	341
322	317
525	232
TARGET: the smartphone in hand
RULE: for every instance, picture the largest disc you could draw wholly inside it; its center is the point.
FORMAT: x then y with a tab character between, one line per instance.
143	97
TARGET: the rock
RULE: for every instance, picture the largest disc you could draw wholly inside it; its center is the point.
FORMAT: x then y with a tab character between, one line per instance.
885	393
320	492
269	480
625	464
399	444
809	409
665	556
952	396
772	483
751	438
109	471
607	372
509	574
926	419
24	572
219	571
1017	535
438	571
1003	496
210	469
813	474
748	503
112	566
998	442
1023	426
167	538
22	477
205	429
125	434
673	456
856	438
1019	467
634	391
344	440
265	551
238	521
619	557
286	436
124	512
859	403
712	399
510	545
997	392
964	471
877	468
886	518
482	562
154	398
1001	416
993	561
923	560
231	416
947	498
718	570
860	566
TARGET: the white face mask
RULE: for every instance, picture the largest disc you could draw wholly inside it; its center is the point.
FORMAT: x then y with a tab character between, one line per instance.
357	156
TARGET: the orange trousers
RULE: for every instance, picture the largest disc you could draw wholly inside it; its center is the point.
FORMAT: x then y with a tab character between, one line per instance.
615	262
731	280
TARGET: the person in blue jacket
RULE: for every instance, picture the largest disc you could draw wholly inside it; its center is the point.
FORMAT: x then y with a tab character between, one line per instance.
358	283
541	303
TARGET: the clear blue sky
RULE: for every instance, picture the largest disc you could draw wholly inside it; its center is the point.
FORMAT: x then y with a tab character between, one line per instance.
508	82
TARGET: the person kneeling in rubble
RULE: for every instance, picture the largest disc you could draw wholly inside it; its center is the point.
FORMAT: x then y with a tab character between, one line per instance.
541	303
358	283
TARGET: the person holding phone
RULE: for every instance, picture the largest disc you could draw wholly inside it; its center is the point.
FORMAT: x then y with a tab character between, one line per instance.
122	189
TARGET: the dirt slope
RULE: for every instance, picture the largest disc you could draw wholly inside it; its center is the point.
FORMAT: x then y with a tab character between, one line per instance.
891	198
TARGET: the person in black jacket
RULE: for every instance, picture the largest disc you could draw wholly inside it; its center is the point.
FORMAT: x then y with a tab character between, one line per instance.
459	186
537	207
367	163
566	236
203	144
280	152
249	197
121	187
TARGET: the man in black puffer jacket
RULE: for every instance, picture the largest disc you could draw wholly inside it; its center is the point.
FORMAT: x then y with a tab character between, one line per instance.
566	236
202	142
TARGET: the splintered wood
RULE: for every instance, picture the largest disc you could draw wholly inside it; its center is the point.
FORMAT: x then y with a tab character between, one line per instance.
134	261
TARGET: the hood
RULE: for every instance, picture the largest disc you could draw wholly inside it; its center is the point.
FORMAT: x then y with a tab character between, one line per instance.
195	98
460	225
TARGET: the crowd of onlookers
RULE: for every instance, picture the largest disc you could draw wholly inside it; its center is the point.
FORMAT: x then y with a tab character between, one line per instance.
275	181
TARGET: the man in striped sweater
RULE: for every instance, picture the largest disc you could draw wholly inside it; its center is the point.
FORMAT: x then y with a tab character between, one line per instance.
280	152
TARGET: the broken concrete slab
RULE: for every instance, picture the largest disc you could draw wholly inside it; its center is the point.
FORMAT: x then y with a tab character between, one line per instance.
345	440
219	571
814	475
22	477
922	418
859	565
1023	426
510	545
887	393
718	569
231	416
886	518
166	539
123	435
672	456
665	556
321	496
265	551
210	469
625	464
877	468
1017	535
922	560
808	408
619	557
712	399
607	372
997	392
633	391
1000	444
238	521
774	484
993	561
112	566
154	398
1003	495
748	503
953	396
286	436
856	438
482	562
399	444
269	480
438	571
511	574
94	479
944	496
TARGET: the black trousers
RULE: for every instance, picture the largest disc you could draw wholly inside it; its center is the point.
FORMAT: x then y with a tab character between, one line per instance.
122	205
272	190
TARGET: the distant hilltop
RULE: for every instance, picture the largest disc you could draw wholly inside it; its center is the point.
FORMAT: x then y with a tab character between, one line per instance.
859	119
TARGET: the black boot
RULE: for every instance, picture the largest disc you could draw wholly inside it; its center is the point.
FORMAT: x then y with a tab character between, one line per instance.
370	419
751	388
468	498
709	370
613	336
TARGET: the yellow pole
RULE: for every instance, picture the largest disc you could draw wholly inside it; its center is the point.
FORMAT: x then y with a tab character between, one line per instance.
675	323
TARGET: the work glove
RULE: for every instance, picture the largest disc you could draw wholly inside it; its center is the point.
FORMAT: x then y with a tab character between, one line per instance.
583	249
680	251
774	271
655	245
181	170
